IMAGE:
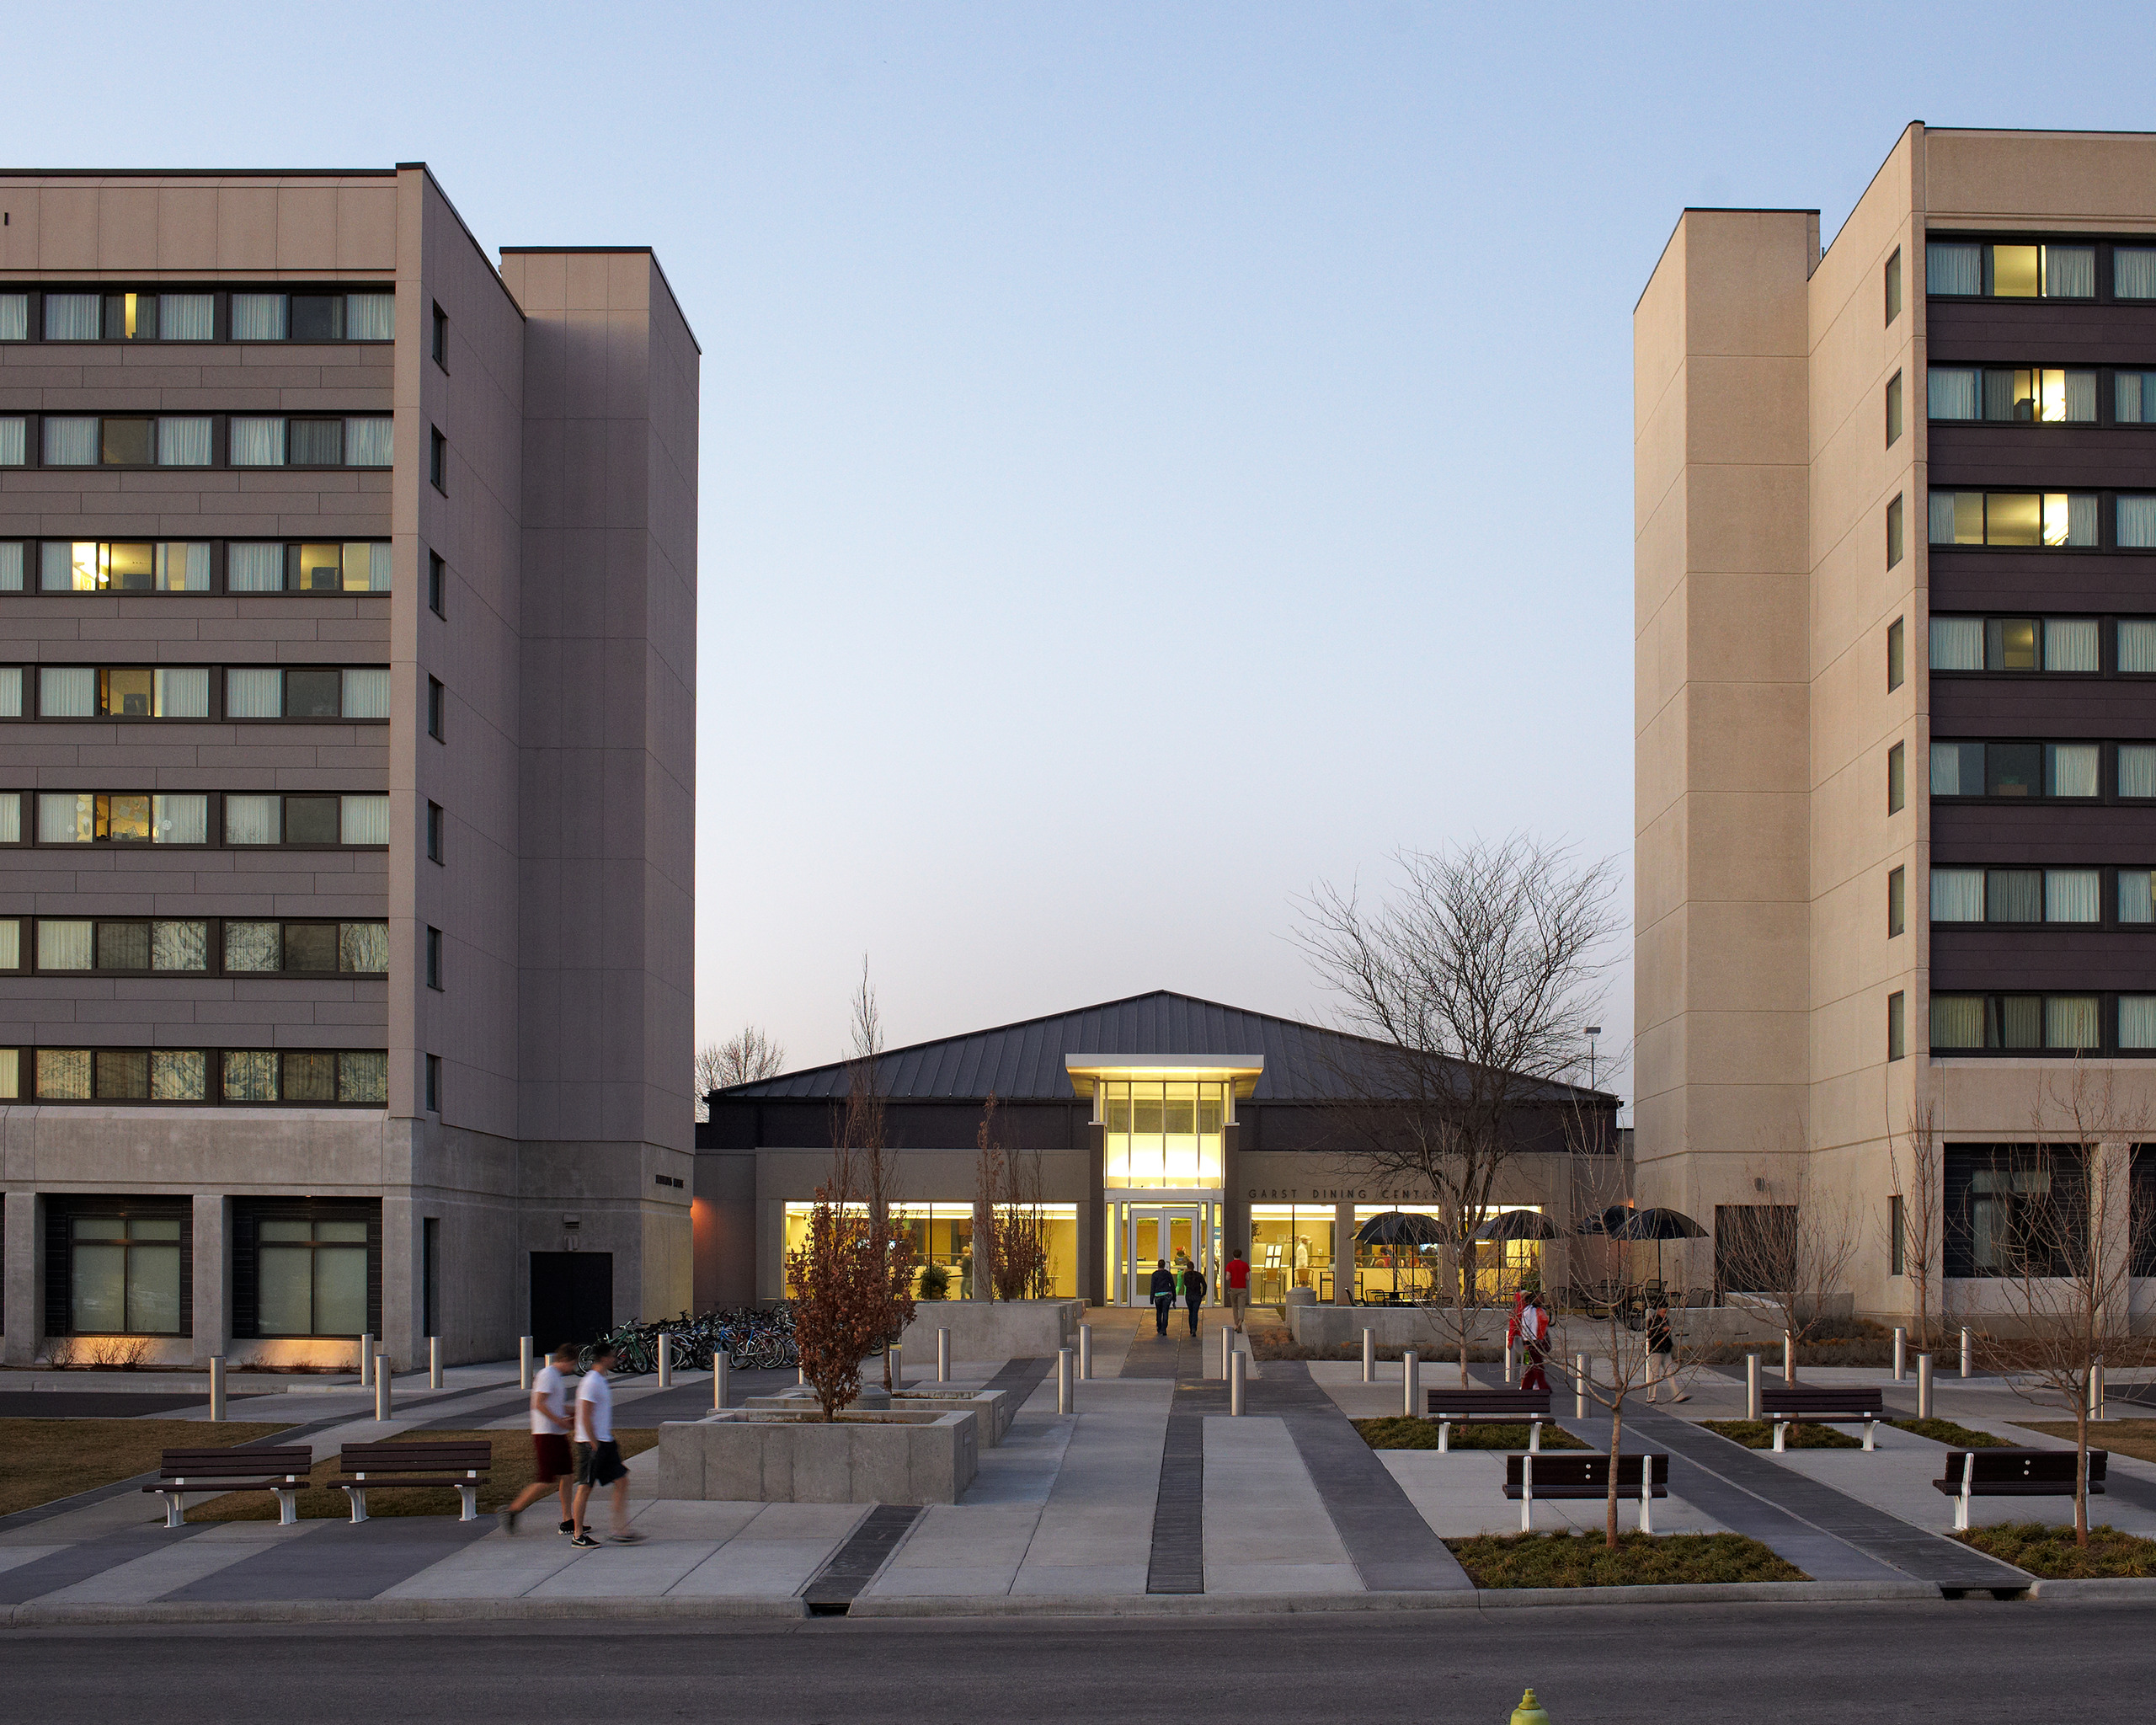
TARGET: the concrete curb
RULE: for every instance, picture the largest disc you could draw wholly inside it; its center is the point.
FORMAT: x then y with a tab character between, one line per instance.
1464	1600
2097	1588
349	1612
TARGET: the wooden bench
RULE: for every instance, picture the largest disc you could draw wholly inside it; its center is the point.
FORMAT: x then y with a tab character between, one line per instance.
374	1466
2013	1473
1452	1407
1572	1475
267	1467
1803	1404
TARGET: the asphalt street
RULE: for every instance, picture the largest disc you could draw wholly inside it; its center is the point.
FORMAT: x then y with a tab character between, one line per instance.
1969	1662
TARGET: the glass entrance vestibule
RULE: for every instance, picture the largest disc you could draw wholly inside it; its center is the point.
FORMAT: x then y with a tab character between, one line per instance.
1183	1228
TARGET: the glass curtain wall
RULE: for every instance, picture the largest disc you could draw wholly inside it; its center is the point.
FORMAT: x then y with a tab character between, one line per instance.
942	1234
1291	1246
1163	1133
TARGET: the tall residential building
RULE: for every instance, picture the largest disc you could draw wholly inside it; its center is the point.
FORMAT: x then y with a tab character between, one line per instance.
347	701
1896	732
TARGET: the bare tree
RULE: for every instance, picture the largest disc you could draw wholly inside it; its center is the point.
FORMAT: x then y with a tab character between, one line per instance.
743	1058
1794	1258
859	1132
1465	991
989	1164
1919	1174
2050	1224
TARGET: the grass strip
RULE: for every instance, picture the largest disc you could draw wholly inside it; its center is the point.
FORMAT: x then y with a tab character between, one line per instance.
1584	1560
1759	1435
1401	1431
2122	1437
2047	1550
1950	1433
511	1472
48	1459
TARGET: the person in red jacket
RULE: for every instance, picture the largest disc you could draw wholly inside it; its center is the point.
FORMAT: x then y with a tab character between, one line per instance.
1535	1335
1237	1279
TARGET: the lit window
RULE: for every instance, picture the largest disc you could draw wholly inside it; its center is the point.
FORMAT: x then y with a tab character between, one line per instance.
2018	518
1972	268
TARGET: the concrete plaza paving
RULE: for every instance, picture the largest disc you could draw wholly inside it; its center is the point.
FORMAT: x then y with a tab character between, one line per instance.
1148	1494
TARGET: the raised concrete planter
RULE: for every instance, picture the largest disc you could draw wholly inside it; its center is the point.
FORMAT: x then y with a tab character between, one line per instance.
758	1455
994	1408
993	1329
1325	1327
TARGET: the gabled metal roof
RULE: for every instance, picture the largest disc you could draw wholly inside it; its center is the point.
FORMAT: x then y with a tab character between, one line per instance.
1024	1061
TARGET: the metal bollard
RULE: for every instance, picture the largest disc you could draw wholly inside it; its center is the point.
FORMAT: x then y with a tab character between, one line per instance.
366	1362
2096	1391
1900	1354
1968	1354
801	1373
721	1368
1411	1382
1751	1363
1066	1389
1923	1386
1085	1352
383	1371
524	1364
1789	1356
1235	1374
898	1366
943	1356
665	1361
1579	1387
1369	1356
216	1386
1509	1364
434	1362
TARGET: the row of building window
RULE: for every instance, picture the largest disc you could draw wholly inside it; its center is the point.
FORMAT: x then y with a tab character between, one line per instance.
2036	895
193	946
2033	520
2042	1022
351	566
2022	270
202	314
197	440
2037	395
132	691
2032	771
336	1078
2060	645
191	817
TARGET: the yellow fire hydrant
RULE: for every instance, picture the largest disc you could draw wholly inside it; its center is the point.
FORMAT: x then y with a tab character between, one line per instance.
1529	1712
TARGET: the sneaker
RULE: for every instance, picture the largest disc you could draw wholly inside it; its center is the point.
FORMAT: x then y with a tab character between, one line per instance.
628	1536
1681	1396
584	1542
568	1527
506	1519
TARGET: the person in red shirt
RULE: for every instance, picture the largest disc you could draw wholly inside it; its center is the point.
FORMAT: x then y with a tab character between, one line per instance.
1237	1275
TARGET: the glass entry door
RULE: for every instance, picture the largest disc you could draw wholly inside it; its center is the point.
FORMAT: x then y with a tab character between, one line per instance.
1152	1232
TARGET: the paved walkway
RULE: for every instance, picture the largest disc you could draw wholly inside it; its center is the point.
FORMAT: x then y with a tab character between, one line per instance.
1150	1491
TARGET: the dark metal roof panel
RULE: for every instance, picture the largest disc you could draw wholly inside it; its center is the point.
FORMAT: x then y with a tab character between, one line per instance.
1023	1062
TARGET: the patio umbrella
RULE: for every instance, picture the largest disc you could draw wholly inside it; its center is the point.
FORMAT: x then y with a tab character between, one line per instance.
1517	1224
1401	1227
1656	1224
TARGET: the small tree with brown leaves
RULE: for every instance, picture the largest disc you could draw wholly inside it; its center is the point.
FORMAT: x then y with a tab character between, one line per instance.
860	1131
841	1292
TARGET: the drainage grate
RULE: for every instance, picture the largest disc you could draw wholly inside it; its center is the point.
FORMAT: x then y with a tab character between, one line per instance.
834	1587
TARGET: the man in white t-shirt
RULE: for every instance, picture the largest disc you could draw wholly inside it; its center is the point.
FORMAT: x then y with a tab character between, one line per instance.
598	1457
551	1463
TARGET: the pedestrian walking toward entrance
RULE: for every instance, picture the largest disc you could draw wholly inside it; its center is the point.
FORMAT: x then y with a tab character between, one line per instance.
1193	1294
1661	1353
1535	1337
1162	1288
551	1463
598	1457
1238	1283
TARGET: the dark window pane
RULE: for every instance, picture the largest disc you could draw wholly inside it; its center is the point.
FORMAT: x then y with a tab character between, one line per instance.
310	821
122	1074
2014	896
312	694
123	946
317	317
312	946
2012	769
315	443
2018	1021
310	1077
128	443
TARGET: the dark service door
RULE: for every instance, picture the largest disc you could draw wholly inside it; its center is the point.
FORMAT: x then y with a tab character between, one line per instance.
572	1297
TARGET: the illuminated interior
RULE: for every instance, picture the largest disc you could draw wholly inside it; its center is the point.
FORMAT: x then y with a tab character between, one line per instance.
1163	1133
942	1233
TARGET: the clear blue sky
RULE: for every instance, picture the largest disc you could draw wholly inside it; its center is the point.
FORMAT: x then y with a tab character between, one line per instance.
1154	457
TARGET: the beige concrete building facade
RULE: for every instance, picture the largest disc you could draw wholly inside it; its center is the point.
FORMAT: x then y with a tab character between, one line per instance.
347	700
1895	575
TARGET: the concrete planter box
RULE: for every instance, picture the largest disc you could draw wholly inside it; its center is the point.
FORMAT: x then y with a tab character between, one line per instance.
762	1456
1319	1326
994	1408
993	1329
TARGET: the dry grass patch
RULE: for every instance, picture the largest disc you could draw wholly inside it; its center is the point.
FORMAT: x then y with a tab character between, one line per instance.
1950	1433
1401	1431
2122	1437
56	1458
323	1502
1759	1435
1583	1560
2048	1550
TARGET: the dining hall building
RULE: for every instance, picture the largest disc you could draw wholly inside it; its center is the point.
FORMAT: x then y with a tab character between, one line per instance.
1149	1128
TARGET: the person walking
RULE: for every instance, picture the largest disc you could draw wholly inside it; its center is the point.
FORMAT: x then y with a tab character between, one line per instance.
1162	1290
1661	1353
1193	1294
1534	1338
551	1463
1237	1276
598	1457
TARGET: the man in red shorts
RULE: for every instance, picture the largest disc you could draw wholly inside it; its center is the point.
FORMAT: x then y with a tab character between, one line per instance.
551	1463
